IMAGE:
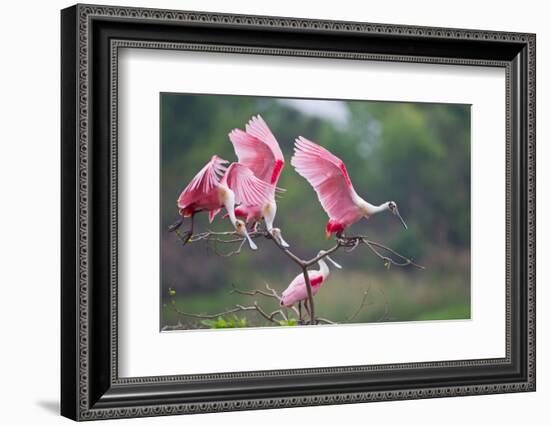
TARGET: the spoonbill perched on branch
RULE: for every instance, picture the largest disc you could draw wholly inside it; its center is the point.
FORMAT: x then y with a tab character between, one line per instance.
258	149
216	186
296	292
327	174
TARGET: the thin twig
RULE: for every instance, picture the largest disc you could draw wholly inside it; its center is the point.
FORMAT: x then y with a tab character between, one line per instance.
361	305
349	243
269	293
232	252
386	305
325	253
238	308
406	260
252	292
324	321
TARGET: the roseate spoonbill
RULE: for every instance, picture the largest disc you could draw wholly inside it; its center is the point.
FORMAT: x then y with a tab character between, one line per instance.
257	148
216	186
296	292
327	174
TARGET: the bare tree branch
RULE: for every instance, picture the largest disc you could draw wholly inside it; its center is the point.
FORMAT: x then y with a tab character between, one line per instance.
353	242
269	293
317	258
238	308
232	252
324	321
348	243
254	293
272	294
310	306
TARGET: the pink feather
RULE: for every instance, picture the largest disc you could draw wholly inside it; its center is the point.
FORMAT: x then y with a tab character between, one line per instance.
200	193
297	290
258	149
248	189
327	174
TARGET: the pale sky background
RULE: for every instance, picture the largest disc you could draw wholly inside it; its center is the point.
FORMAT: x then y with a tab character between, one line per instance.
333	110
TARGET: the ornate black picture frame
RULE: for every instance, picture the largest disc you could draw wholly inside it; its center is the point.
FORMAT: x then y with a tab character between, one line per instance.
91	36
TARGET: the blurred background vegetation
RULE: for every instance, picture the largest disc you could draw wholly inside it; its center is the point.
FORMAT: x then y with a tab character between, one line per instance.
416	154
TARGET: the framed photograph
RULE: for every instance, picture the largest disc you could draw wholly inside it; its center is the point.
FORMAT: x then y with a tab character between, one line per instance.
263	212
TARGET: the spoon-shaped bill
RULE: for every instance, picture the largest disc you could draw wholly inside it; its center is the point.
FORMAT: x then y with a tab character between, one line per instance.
401	219
334	263
276	232
250	242
283	242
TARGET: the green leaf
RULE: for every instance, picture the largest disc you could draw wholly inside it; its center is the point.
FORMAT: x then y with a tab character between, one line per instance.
221	323
288	323
209	323
233	322
171	292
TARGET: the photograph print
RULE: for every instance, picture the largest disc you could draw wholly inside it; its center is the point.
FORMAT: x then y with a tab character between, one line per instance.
284	212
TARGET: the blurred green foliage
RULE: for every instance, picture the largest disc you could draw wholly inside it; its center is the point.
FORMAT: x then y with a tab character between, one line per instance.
232	322
289	322
416	154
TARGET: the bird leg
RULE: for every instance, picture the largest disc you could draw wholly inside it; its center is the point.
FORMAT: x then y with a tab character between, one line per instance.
175	225
186	236
306	305
341	237
350	242
300	311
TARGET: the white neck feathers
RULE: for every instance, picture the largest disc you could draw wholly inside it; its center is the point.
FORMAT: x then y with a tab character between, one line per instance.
370	209
324	269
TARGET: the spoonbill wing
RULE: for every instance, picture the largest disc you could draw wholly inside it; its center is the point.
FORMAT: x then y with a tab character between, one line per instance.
203	183
297	290
258	149
327	174
212	214
248	189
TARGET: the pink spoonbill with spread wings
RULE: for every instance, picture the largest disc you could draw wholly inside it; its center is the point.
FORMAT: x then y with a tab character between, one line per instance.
296	292
327	174
257	148
216	186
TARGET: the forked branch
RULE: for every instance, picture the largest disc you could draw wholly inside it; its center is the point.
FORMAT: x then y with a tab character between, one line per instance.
384	253
269	293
